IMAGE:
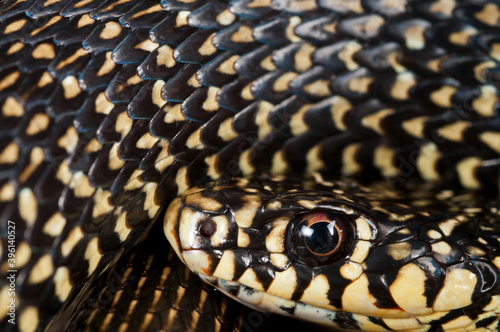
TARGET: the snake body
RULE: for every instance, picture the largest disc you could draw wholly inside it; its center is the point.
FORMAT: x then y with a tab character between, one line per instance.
236	122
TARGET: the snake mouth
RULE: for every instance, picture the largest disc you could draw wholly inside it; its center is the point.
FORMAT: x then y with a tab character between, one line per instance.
318	312
265	301
268	303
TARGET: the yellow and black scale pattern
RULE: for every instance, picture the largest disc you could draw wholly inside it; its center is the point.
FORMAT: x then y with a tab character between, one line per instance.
109	109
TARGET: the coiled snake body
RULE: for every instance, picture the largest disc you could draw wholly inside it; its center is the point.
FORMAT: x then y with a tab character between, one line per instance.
337	161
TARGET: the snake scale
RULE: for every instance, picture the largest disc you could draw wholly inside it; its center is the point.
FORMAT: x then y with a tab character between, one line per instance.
335	161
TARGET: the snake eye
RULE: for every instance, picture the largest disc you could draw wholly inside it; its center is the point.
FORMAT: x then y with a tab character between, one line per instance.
319	237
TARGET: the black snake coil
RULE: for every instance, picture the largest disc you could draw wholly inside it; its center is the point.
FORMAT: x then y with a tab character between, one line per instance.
258	114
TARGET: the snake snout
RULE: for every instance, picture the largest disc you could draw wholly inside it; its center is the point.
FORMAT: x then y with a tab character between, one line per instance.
190	229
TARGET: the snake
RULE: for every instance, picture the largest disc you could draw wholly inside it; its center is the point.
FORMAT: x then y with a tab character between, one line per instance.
331	161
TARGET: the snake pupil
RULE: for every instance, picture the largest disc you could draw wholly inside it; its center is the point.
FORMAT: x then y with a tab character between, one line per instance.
321	238
207	228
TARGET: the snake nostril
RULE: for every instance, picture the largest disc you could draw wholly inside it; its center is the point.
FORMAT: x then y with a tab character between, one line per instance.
207	227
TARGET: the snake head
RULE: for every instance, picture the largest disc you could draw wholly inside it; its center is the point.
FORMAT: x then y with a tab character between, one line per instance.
340	254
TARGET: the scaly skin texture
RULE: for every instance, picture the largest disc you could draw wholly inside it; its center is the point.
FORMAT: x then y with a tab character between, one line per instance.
405	261
111	109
